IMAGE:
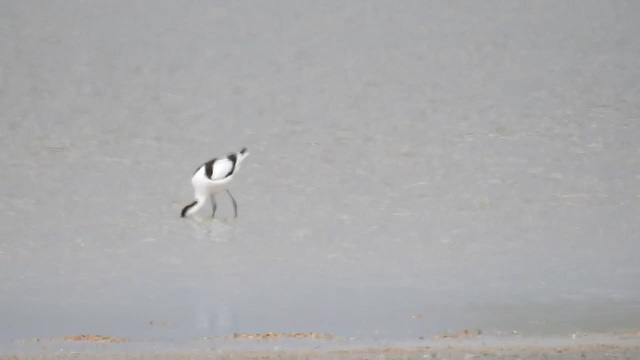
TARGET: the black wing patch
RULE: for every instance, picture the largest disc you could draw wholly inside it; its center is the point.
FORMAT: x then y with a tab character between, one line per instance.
208	168
233	158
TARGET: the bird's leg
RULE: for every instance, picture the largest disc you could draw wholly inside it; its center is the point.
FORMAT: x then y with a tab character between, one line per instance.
214	205
235	205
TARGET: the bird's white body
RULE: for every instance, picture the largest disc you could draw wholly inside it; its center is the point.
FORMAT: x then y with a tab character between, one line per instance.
203	186
213	177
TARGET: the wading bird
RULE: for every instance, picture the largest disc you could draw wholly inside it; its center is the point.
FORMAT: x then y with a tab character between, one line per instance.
213	177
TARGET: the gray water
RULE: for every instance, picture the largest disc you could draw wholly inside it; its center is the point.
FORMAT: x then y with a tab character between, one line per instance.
415	167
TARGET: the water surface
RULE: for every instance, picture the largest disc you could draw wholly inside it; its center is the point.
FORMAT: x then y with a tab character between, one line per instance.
415	167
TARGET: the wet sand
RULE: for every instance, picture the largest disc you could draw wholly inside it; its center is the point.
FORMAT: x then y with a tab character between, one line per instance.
600	347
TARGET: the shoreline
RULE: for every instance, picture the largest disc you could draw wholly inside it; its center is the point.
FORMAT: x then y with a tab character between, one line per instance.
583	346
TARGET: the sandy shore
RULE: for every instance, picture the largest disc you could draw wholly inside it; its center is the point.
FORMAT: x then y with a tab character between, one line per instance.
598	346
453	352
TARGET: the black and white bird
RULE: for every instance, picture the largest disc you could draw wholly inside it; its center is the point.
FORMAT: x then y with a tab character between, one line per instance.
213	177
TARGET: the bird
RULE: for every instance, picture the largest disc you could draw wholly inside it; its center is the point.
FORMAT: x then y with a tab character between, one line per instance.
213	177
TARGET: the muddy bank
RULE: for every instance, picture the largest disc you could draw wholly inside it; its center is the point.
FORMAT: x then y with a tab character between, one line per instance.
464	345
604	351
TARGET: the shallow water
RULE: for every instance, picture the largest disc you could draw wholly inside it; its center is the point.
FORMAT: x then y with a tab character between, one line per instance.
415	167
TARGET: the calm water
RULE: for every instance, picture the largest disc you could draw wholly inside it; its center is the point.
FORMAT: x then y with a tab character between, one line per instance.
415	167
